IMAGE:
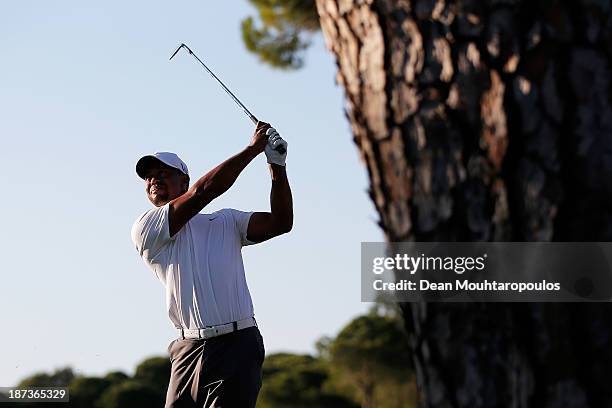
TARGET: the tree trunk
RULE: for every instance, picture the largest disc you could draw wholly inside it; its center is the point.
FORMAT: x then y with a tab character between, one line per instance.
488	121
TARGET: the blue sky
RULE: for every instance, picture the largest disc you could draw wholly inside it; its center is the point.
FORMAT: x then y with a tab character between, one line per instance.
86	90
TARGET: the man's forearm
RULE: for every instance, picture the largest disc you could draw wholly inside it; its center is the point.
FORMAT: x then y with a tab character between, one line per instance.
281	201
221	178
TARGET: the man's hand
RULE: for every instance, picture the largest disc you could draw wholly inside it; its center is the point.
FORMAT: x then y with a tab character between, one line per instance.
274	141
260	138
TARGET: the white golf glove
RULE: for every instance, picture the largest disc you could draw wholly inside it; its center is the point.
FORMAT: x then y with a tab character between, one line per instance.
274	141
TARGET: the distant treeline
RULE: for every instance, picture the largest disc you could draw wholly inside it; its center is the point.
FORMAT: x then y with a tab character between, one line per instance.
364	366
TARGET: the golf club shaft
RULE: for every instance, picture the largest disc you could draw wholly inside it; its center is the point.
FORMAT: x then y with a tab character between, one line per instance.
244	108
279	149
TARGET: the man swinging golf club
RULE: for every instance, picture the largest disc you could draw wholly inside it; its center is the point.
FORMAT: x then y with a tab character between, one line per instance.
217	359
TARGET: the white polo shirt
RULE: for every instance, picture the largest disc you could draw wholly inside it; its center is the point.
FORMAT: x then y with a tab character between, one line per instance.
200	266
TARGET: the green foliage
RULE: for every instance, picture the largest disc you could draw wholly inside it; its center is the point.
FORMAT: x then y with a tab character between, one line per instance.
297	381
84	390
373	343
323	346
131	394
116	377
154	371
371	351
59	378
115	390
397	393
367	364
286	26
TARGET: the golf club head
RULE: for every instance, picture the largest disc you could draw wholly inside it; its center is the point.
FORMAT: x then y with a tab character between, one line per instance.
176	51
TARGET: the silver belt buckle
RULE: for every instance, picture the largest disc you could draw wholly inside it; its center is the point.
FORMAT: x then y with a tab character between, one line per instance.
208	332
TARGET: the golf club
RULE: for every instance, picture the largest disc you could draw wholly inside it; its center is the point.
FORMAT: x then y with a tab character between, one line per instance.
279	149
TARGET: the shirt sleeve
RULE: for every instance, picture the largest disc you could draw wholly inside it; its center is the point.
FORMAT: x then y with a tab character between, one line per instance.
151	232
241	220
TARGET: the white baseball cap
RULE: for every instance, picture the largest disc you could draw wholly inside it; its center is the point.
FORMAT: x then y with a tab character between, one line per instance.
168	158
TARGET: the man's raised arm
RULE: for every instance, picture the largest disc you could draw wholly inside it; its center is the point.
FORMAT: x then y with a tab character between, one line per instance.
215	182
263	226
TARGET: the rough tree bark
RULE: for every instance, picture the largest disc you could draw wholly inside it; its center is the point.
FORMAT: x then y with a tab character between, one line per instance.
488	120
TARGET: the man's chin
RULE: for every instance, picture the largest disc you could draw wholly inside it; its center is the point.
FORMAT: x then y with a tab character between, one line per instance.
159	200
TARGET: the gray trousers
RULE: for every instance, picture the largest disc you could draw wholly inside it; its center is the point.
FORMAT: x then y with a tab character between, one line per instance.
222	372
